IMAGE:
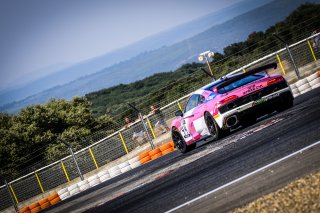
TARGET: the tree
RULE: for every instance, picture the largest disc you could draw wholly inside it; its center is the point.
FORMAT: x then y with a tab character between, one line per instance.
33	137
234	49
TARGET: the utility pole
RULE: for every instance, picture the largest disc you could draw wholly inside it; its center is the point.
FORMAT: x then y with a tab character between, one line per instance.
205	56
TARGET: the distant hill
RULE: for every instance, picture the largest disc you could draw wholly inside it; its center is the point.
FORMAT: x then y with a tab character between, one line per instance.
170	57
150	43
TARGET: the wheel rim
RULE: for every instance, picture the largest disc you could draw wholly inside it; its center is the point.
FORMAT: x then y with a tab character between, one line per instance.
177	139
211	126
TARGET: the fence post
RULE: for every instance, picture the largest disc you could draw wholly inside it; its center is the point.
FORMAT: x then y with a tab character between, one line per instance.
280	62
143	124
38	179
93	158
149	123
293	62
290	55
75	161
65	171
123	143
146	130
312	52
73	157
13	196
179	105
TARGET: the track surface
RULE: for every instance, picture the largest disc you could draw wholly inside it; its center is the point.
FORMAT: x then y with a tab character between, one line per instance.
258	182
180	178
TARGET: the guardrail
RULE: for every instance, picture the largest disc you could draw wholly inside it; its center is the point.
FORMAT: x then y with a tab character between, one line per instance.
106	149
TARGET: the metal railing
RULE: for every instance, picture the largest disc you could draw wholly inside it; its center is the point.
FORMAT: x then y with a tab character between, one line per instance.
103	147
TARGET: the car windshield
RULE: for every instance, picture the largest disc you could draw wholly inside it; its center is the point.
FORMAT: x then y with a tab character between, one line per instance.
240	83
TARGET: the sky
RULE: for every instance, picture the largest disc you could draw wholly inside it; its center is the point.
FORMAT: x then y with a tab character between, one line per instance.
39	34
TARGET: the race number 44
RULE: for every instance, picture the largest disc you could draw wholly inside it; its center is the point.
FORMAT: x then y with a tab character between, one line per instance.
185	132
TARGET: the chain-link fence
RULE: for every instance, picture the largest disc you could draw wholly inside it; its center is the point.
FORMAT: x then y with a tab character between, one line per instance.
106	145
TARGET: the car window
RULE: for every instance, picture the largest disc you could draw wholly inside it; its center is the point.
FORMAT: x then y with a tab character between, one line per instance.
201	100
192	102
240	82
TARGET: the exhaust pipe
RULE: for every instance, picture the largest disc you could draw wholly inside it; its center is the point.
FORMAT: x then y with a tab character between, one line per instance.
232	121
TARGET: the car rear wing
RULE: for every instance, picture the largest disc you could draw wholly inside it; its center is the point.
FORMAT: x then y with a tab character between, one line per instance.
243	75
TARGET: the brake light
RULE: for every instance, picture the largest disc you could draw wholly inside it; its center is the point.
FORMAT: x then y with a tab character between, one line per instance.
275	80
227	99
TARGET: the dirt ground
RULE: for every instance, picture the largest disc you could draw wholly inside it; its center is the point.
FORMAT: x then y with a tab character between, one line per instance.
302	195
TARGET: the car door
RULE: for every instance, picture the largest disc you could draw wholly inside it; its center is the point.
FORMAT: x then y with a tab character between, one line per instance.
186	123
198	114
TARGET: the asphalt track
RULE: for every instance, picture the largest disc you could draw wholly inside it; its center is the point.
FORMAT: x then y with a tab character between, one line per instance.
175	179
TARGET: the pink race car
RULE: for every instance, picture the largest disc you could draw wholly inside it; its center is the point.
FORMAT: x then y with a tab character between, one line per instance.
229	102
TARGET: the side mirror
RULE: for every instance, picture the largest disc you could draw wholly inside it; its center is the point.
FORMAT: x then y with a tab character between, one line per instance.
179	113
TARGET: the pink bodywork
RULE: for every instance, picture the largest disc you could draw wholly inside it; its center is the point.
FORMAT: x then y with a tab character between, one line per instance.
193	127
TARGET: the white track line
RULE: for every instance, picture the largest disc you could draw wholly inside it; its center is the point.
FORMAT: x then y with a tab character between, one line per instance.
243	177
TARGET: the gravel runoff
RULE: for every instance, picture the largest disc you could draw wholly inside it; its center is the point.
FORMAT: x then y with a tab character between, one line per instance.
302	195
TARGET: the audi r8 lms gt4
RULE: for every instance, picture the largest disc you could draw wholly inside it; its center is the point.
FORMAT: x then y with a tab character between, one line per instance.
229	102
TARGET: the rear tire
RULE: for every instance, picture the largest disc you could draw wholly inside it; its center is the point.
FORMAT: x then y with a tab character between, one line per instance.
212	126
180	143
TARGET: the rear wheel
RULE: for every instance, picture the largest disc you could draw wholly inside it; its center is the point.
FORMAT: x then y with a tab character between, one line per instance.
180	142
212	126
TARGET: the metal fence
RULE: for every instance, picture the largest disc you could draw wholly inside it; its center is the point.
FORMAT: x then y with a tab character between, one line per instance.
104	147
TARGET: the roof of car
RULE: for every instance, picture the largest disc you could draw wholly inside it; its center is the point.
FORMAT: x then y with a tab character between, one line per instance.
234	77
216	82
210	85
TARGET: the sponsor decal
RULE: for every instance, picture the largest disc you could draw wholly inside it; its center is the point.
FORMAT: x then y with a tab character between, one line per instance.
262	100
185	132
252	88
272	96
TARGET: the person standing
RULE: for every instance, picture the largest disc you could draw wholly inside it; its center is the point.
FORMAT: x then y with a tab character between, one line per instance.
315	41
139	136
161	123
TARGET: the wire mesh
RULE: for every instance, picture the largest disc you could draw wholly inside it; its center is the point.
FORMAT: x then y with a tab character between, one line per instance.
5	198
159	122
85	161
52	177
108	150
26	187
135	135
71	168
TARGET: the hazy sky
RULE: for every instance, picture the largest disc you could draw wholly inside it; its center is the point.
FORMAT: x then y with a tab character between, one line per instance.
35	34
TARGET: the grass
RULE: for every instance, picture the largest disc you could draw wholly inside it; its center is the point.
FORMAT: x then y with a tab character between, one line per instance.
302	195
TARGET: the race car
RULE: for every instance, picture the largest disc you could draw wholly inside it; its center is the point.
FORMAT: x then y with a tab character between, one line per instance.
229	102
